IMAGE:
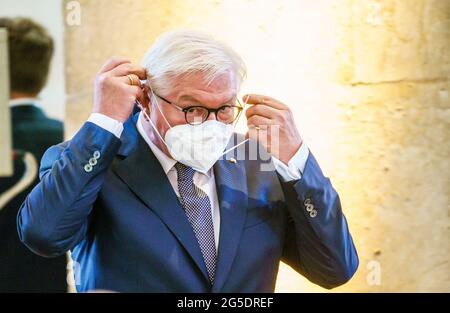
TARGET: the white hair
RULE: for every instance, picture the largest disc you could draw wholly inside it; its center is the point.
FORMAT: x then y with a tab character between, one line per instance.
178	53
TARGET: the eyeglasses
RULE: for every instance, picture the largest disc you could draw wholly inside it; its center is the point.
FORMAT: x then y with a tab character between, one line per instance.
197	114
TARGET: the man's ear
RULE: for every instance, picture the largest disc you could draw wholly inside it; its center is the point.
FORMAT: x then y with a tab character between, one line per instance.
146	100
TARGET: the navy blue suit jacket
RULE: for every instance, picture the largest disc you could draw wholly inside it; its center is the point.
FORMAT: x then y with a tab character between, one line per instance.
128	232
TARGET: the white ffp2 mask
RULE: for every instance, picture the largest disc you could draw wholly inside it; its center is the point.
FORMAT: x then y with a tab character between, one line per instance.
196	146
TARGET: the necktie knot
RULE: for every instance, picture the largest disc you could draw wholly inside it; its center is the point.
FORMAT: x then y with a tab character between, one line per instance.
185	173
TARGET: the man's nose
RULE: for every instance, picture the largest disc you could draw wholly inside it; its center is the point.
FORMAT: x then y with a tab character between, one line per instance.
212	116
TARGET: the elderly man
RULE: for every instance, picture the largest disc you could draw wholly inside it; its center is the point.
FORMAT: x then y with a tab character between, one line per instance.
163	200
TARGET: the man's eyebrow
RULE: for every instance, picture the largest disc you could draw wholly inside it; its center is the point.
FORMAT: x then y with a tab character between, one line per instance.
191	98
188	97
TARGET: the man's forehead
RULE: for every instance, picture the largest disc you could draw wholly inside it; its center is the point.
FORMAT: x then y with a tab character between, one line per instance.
194	86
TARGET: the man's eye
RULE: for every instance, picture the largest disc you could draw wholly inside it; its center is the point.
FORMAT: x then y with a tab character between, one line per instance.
192	110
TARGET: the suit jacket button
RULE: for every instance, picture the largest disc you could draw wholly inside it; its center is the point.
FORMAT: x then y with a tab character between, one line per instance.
92	161
307	201
96	155
313	213
88	168
309	207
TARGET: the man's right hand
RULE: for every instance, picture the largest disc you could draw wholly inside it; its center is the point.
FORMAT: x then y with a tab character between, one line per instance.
114	94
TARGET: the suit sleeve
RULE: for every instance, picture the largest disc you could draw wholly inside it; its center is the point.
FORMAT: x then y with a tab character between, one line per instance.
55	215
318	243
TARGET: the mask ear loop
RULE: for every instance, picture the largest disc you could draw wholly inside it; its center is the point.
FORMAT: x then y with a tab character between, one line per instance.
139	104
241	143
159	108
147	117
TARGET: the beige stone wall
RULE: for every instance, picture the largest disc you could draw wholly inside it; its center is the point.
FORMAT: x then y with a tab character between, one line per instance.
368	82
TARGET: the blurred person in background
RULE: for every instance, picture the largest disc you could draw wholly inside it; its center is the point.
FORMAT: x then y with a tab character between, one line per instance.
30	53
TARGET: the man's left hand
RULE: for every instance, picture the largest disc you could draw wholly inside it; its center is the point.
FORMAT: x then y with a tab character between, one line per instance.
263	117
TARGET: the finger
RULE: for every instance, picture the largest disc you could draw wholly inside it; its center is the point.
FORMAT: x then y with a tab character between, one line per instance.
112	63
261	99
245	98
262	110
134	94
252	134
254	98
259	121
128	94
128	68
135	81
134	90
258	134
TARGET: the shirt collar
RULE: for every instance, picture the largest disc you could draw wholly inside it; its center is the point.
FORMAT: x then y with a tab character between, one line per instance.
24	101
167	163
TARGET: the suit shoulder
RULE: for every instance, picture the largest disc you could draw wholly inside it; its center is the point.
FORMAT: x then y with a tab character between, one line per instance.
53	124
38	127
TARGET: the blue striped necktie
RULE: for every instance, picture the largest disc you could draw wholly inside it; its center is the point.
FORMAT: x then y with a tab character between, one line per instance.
197	207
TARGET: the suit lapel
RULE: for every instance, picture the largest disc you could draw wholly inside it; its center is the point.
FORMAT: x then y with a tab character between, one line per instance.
232	193
143	174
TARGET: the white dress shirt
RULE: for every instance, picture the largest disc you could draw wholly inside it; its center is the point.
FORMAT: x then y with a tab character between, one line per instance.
206	182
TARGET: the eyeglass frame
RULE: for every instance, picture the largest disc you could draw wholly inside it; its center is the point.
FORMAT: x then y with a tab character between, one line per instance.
184	110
